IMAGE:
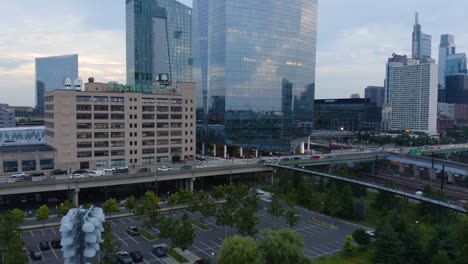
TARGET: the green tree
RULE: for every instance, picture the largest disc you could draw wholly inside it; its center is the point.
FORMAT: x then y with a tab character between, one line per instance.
205	206
246	221
388	247
441	258
239	250
442	239
17	215
332	204
185	197
148	209
42	214
218	193
167	226
281	246
65	207
411	237
385	201
461	231
110	206
361	238
225	216
183	234
346	202
108	246
360	209
130	203
275	209
292	217
173	199
348	246
11	244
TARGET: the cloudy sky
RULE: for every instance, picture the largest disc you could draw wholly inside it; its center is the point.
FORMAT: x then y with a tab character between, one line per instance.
354	39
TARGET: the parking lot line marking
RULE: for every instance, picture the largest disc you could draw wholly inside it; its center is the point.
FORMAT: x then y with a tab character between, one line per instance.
156	230
43	234
53	230
40	251
29	257
120	239
53	251
200	250
131	220
32	234
138	243
121	221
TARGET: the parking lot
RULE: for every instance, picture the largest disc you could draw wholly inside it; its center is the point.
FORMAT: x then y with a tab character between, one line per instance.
319	240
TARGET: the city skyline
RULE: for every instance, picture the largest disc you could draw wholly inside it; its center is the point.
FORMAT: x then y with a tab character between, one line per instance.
356	51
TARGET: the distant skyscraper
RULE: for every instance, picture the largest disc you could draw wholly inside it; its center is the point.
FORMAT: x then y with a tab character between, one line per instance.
414	98
51	73
457	89
254	60
159	40
450	62
395	60
376	95
421	42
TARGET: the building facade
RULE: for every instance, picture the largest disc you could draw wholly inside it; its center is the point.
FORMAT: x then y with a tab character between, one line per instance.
159	40
26	158
395	60
51	73
376	95
7	118
256	70
456	89
422	43
450	62
347	114
414	98
111	125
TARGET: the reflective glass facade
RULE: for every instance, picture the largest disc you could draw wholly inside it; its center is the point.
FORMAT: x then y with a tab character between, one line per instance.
255	69
51	73
159	40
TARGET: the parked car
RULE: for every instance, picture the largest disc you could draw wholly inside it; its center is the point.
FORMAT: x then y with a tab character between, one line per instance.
96	173
200	157
123	168
201	261
186	167
35	254
136	256
133	230
117	171
80	171
109	170
36	174
23	179
55	243
44	245
158	251
58	172
18	175
370	233
143	170
201	166
48	178
164	168
295	158
124	257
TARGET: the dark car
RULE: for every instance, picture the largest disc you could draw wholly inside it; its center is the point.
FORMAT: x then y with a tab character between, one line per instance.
124	257
143	170
159	251
35	254
36	174
80	171
44	245
58	172
111	259
201	261
55	243
186	167
200	157
136	256
117	171
133	231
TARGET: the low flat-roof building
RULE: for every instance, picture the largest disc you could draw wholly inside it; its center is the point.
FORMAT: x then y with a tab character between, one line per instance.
111	125
27	158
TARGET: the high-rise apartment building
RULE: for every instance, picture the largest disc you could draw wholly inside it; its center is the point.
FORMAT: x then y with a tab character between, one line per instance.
395	60
159	40
51	73
114	125
414	98
254	62
376	95
450	62
422	43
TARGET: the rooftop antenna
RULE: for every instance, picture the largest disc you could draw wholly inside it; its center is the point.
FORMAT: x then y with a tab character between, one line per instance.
417	18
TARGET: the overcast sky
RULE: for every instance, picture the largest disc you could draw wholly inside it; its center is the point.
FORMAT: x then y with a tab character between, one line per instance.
354	39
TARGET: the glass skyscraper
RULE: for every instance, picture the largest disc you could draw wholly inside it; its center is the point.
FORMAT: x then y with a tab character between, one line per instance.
254	63
159	40
422	43
51	73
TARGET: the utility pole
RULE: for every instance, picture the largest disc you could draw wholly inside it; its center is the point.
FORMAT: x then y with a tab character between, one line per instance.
442	178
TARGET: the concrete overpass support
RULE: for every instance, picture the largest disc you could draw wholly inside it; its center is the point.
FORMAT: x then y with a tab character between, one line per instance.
214	150
225	152
74	196
416	170
203	148
241	152
256	153
302	148
189	184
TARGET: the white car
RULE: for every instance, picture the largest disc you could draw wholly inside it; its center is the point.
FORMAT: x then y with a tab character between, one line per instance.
76	176
96	173
260	192
164	168
419	193
370	233
18	175
201	166
109	170
123	168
